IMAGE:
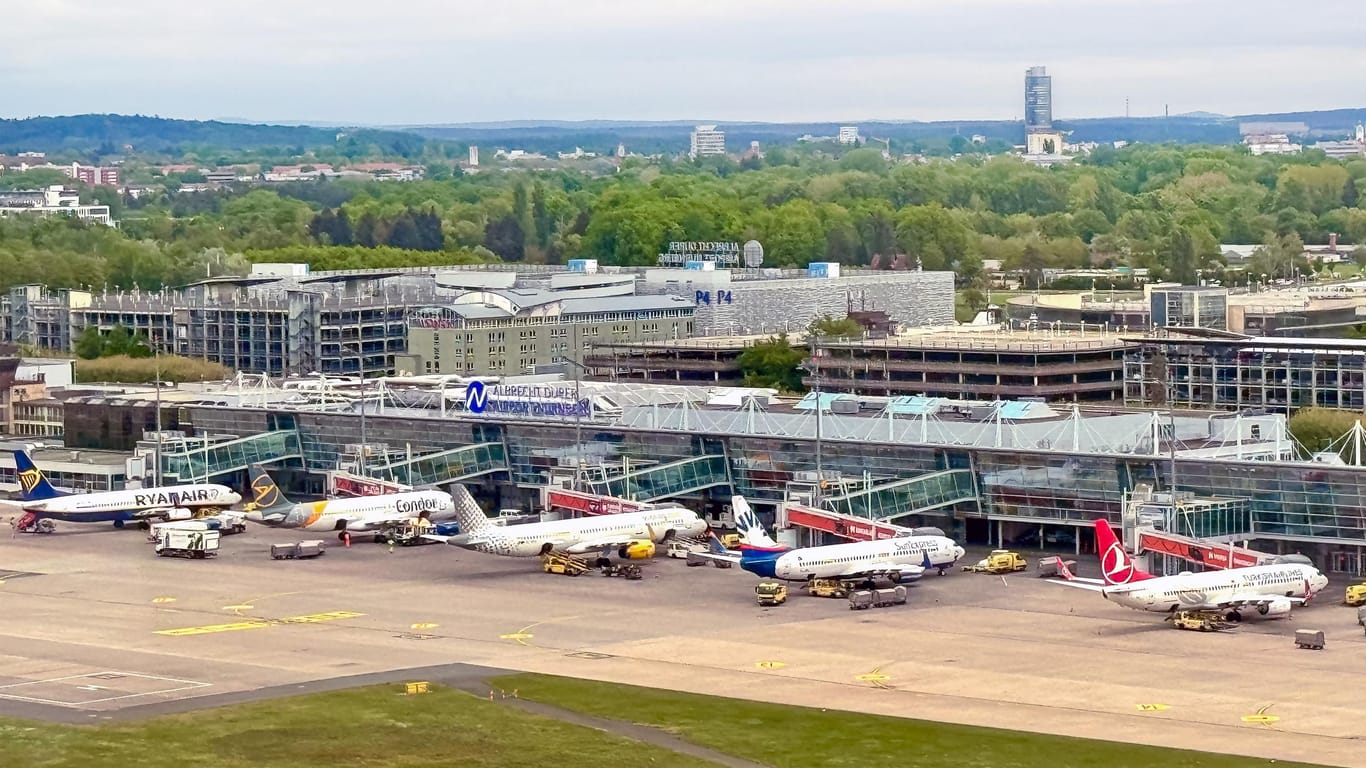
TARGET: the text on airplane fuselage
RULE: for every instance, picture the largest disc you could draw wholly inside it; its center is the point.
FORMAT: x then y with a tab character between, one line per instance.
173	498
416	506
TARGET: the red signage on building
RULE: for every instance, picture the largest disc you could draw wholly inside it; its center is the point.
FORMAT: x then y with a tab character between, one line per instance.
1208	555
589	504
841	525
344	485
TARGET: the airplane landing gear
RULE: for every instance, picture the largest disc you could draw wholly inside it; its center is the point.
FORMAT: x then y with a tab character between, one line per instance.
118	524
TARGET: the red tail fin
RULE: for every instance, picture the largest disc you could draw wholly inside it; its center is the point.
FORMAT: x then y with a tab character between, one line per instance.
1115	565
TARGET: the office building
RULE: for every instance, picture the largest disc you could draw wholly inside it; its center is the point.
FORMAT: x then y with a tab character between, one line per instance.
707	140
1188	306
513	331
848	134
1038	100
53	201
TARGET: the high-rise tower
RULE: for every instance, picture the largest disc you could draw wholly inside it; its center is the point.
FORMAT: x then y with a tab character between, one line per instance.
1038	112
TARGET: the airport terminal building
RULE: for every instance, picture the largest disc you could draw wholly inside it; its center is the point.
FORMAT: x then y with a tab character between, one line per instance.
1021	473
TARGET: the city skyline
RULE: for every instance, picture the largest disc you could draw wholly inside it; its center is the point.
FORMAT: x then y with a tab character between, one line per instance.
767	61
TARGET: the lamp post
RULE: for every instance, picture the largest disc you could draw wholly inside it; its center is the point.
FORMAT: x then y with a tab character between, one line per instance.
364	446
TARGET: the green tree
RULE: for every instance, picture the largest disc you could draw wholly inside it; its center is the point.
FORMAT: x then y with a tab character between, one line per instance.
1317	429
118	342
774	363
826	326
90	344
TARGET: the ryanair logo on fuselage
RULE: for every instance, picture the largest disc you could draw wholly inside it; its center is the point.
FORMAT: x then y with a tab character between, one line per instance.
173	498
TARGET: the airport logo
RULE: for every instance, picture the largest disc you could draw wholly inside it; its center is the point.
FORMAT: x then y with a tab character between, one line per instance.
476	397
1116	566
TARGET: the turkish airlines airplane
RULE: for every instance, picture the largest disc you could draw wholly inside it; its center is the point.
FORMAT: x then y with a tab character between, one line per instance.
903	558
363	513
39	500
1272	590
631	535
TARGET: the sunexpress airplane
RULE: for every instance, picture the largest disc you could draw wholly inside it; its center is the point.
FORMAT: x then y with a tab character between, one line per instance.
40	501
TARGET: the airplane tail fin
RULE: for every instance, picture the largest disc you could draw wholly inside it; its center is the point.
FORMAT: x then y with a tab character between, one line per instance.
752	534
714	544
1115	565
265	494
468	514
33	486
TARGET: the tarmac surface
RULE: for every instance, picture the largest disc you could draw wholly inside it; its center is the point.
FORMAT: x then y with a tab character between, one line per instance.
95	627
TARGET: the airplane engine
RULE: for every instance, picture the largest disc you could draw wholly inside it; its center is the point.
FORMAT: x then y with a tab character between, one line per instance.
1278	607
637	550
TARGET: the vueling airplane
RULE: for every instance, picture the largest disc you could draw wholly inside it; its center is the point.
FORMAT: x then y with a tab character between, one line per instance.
40	500
631	535
363	513
1270	590
903	558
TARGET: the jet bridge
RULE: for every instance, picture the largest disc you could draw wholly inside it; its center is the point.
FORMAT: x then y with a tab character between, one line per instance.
845	526
1209	555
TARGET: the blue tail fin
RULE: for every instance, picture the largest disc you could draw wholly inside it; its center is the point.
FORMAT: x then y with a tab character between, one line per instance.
32	485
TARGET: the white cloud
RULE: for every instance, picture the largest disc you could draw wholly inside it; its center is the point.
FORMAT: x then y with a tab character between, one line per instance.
448	61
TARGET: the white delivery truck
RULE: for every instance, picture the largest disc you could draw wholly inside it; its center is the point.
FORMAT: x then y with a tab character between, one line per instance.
187	540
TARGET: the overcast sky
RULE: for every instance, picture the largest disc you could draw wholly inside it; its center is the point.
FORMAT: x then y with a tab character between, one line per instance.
442	61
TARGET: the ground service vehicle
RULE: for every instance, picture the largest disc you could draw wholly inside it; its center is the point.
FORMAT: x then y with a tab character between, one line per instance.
179	542
629	571
1199	621
563	564
771	593
298	550
999	561
730	540
1361	617
860	600
885	597
1309	638
1356	594
828	588
680	550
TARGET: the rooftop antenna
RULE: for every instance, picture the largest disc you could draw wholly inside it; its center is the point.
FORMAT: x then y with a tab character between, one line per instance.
1126	107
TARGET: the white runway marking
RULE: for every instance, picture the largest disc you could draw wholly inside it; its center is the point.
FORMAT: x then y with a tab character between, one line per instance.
177	686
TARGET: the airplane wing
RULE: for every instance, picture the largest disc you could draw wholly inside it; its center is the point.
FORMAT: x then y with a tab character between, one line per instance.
1077	584
717	551
597	545
906	571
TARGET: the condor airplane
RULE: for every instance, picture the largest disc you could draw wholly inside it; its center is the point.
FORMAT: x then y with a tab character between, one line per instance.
1270	589
904	558
632	535
40	500
364	513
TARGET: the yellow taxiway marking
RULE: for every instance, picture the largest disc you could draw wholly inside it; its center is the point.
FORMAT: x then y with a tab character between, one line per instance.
875	677
239	608
1261	717
524	634
770	665
163	600
423	625
312	618
1152	707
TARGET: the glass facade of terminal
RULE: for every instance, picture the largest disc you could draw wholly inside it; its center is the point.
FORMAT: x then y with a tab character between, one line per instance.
958	487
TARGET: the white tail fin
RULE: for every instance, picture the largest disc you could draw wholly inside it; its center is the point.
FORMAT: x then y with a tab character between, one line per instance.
748	526
468	514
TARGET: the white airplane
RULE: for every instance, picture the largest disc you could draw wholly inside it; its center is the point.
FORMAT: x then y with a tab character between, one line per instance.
631	535
39	500
363	513
1270	589
904	558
